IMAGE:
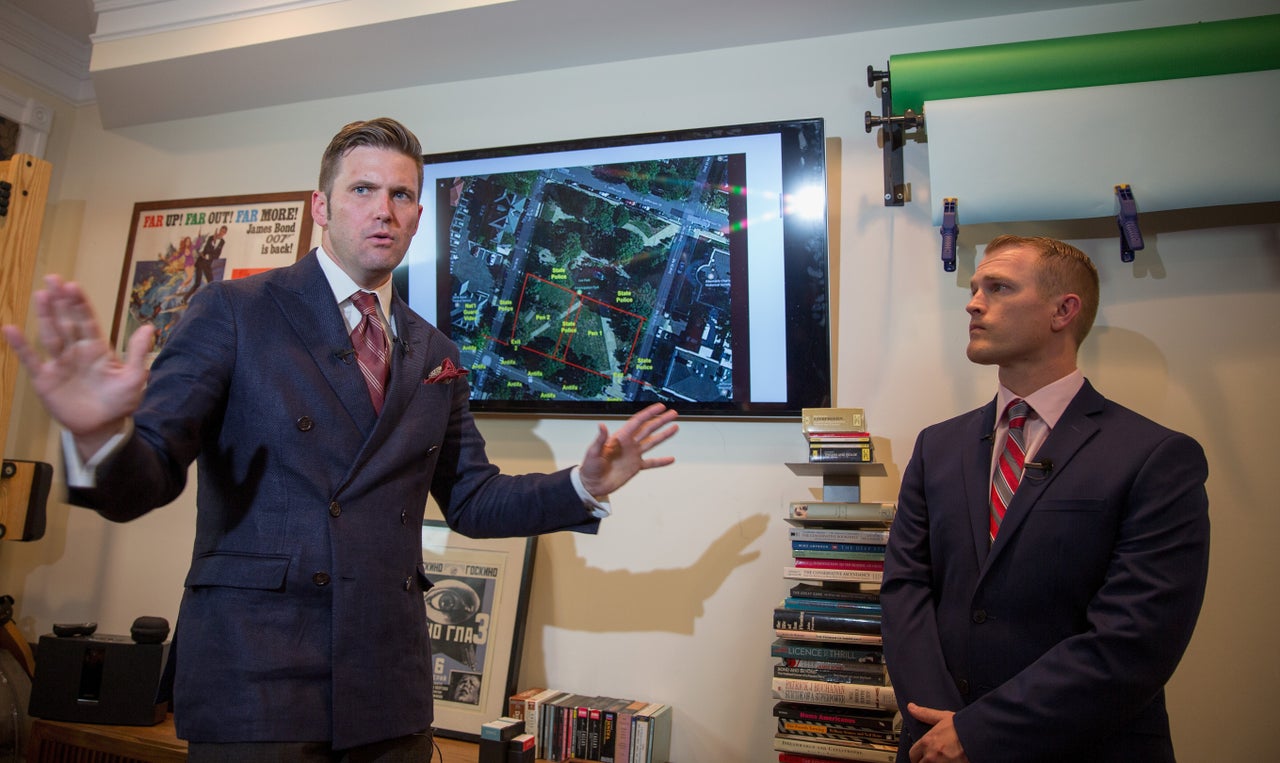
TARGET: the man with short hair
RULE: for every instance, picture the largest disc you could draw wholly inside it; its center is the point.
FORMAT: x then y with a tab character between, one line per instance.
1048	559
322	412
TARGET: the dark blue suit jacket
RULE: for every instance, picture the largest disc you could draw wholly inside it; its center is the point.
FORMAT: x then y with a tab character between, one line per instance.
1055	642
303	615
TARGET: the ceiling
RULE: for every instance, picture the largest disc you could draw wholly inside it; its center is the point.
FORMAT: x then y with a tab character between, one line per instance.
134	81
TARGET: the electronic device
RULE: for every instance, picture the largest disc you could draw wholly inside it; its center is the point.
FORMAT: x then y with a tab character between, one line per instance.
594	277
87	677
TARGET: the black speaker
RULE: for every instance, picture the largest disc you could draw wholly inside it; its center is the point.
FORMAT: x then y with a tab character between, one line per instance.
98	679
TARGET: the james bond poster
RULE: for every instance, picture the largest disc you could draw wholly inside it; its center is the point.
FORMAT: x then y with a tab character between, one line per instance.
475	616
178	247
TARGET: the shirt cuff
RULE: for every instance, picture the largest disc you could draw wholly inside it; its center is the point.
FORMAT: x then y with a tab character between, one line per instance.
596	508
83	474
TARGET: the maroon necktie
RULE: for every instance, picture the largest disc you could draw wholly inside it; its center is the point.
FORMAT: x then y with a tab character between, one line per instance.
1008	472
370	341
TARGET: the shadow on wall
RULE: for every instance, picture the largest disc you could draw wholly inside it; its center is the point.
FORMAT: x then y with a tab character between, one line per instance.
668	600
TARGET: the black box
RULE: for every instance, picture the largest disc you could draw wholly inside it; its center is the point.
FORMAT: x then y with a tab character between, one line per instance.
98	679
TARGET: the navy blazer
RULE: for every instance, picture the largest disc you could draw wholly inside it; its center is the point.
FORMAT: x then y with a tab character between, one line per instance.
303	617
1055	642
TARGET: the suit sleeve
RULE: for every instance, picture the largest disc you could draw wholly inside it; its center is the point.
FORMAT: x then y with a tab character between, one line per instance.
187	385
912	648
480	502
1136	626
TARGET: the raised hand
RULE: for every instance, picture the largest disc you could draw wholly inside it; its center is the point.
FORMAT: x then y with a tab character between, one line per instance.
614	459
83	383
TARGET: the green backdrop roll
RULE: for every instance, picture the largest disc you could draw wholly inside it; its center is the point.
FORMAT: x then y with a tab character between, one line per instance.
1191	50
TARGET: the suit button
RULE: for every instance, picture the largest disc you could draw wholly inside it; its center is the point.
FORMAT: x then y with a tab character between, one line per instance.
979	616
320	579
335	509
963	686
408	582
305	424
404	516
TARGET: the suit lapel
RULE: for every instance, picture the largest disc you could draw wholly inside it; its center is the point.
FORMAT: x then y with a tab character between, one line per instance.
409	355
1075	428
306	301
977	477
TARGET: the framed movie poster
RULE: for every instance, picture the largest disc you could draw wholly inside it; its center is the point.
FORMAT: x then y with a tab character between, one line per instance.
476	609
177	247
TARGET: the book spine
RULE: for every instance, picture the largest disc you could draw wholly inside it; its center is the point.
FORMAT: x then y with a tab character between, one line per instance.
839	637
784	743
810	573
831	605
810	651
835	535
832	420
823	563
873	669
832	731
874	512
858	454
839	548
837	591
880	721
830	676
800	620
820	692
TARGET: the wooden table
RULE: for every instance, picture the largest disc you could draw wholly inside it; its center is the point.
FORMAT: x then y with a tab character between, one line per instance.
62	742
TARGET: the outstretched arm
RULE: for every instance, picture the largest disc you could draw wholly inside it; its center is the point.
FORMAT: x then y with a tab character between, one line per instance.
613	459
84	385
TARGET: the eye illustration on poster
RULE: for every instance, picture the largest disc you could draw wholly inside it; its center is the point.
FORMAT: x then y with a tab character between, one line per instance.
178	247
475	609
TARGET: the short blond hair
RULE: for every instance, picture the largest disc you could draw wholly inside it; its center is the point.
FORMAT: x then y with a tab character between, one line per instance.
1063	269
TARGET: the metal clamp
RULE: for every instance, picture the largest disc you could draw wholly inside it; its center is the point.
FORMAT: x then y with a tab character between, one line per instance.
1127	220
950	231
895	128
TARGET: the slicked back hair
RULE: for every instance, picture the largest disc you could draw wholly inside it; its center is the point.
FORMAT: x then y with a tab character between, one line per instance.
382	132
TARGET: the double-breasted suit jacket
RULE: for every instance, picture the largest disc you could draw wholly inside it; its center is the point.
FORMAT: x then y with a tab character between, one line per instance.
1055	641
302	617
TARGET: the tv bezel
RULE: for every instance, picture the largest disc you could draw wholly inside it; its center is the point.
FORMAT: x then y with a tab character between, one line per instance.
806	291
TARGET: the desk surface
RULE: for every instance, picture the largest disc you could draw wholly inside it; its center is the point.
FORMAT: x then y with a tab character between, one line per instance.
61	741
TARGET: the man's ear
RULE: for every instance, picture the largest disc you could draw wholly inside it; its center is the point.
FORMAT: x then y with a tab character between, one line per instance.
320	208
1065	313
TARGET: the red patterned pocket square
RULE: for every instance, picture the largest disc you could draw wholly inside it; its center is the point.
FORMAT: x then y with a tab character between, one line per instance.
444	373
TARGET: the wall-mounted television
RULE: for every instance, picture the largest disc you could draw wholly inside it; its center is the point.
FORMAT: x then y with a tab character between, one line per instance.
596	276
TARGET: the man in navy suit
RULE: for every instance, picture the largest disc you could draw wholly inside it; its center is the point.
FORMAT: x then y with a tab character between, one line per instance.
1048	633
302	632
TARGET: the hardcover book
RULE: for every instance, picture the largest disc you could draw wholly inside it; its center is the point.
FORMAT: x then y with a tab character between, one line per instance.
823	693
785	646
832	420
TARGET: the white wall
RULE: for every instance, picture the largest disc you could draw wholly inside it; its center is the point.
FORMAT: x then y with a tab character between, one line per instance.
672	600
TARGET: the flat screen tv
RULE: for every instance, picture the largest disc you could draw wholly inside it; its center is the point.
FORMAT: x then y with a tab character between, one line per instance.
594	277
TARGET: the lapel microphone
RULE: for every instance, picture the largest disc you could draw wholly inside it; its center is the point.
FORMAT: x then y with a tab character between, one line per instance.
344	355
1044	467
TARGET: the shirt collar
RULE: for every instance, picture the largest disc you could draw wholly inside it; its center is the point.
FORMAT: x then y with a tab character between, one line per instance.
343	287
1049	401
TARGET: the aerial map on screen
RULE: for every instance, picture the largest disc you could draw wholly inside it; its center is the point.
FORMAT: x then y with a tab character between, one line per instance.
606	282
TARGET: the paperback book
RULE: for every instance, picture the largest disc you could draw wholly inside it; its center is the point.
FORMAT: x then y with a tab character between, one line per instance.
785	646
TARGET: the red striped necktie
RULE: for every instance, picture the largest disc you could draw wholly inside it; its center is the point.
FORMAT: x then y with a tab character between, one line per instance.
370	341
1008	471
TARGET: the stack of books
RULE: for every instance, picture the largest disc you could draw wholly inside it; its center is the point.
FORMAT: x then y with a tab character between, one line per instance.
835	701
569	726
837	435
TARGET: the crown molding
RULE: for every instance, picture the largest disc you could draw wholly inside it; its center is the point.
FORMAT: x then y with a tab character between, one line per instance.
124	19
36	52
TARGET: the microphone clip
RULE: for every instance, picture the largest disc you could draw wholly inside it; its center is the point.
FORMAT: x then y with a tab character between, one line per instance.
1042	469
